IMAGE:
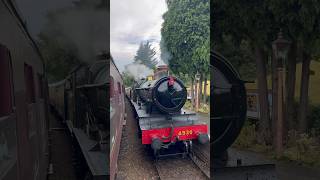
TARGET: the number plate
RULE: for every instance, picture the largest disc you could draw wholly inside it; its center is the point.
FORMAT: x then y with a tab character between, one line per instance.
185	132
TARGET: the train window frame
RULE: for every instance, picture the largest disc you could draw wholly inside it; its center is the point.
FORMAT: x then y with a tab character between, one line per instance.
111	87
40	86
119	87
29	88
10	91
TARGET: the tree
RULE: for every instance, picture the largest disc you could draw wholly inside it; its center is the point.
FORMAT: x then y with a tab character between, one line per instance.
299	19
145	55
249	22
258	22
185	36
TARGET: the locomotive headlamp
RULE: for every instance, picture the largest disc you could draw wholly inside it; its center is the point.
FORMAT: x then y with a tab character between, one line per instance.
171	81
203	138
280	48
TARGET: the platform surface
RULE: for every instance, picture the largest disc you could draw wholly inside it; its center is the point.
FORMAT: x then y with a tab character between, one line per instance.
244	165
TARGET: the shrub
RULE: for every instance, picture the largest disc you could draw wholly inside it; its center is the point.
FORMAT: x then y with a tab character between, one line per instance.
314	120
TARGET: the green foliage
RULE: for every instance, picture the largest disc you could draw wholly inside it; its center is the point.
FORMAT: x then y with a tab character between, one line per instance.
203	108
128	79
145	55
302	148
259	22
185	35
314	120
239	55
248	139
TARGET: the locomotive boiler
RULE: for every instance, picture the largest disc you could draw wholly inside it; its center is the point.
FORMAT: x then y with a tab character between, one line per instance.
168	94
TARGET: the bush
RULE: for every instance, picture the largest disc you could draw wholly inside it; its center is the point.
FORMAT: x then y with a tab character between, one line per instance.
303	148
314	120
248	139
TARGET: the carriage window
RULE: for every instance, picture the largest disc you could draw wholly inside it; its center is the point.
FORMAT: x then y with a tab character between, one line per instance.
40	86
5	82
119	88
111	87
29	84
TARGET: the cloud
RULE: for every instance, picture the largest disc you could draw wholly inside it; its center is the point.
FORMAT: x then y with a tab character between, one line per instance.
131	23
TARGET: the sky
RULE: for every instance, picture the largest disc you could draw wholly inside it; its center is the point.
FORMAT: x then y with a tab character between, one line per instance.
131	22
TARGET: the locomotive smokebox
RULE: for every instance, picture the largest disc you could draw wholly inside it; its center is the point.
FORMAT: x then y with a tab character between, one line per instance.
168	94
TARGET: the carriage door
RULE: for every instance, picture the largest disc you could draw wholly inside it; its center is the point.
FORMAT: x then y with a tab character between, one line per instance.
32	116
8	145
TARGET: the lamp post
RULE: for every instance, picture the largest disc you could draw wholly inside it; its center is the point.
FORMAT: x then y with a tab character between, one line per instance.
197	77
280	49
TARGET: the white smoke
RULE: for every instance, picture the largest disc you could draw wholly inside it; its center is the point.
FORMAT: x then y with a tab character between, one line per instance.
165	54
86	27
138	70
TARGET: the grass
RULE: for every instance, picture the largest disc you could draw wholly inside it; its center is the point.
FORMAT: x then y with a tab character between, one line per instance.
314	84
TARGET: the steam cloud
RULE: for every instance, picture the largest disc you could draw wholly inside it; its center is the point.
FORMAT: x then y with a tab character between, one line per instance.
138	70
86	28
165	54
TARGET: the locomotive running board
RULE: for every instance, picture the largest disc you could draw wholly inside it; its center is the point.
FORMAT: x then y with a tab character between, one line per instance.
96	160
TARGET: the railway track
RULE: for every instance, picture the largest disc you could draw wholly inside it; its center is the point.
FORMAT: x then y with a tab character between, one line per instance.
201	157
193	167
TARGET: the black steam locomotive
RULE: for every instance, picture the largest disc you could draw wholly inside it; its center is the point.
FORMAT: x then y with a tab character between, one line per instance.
162	120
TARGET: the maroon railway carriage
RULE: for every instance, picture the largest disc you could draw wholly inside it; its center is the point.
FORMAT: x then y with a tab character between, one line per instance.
117	116
163	122
23	101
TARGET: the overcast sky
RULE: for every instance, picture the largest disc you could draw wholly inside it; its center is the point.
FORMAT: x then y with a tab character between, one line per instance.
133	21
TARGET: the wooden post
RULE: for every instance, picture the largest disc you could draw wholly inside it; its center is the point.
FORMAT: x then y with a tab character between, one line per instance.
197	95
279	123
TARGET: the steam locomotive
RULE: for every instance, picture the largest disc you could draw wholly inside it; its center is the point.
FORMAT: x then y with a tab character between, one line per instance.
158	103
80	99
